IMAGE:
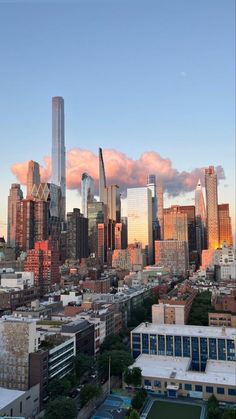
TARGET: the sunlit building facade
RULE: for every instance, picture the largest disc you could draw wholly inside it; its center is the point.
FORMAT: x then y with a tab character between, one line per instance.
15	196
33	177
200	211
139	211
175	224
212	208
58	148
225	229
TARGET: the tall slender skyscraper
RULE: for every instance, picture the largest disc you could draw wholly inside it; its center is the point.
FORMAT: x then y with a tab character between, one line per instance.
212	208
160	214
15	196
33	177
200	212
87	192
58	148
102	178
225	229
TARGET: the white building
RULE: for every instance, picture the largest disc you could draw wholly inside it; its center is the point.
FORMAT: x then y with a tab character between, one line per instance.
71	297
17	403
17	279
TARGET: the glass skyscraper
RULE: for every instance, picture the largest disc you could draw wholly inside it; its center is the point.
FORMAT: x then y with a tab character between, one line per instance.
87	192
58	148
139	211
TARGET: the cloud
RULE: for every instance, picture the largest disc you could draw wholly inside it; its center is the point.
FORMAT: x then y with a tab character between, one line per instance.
121	170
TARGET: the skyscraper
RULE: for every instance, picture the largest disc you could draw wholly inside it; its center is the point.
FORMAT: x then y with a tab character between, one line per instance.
77	235
15	196
139	211
175	224
33	177
225	229
87	192
58	148
160	215
212	208
200	212
102	178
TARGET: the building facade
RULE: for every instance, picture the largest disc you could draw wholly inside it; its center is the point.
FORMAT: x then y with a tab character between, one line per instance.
175	224
87	192
172	255
33	177
15	196
58	149
77	235
212	208
139	210
225	228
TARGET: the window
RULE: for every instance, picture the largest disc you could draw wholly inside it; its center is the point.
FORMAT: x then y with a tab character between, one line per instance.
198	387
221	349
157	383
169	345
186	346
230	350
232	392
145	349
147	383
212	348
180	386
178	346
20	407
161	345
220	390
188	386
209	389
153	345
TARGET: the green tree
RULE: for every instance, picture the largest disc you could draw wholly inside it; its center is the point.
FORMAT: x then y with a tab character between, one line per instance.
201	306
62	408
89	392
133	414
229	414
136	376
59	387
139	399
83	363
213	411
113	342
128	376
119	361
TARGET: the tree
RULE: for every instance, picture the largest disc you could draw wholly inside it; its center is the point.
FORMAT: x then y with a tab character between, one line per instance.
59	387
133	414
136	376
62	408
213	411
139	398
229	414
82	364
113	342
201	306
89	392
119	361
133	376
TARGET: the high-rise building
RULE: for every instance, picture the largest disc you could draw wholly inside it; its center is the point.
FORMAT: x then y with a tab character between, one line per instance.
151	184
172	255
25	224
225	229
58	148
101	242
18	339
139	211
44	262
191	220
77	235
212	208
200	212
175	224
33	177
102	178
87	192
160	214
112	200
15	196
97	214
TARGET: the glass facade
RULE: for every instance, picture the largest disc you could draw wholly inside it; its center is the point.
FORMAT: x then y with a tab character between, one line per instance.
199	349
139	212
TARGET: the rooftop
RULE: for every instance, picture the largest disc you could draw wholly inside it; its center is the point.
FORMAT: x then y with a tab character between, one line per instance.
8	396
217	372
186	330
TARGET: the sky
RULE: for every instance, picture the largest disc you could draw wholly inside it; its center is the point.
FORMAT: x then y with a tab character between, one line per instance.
152	82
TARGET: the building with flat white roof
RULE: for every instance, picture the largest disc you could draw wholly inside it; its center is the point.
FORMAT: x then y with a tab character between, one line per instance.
18	403
173	377
200	343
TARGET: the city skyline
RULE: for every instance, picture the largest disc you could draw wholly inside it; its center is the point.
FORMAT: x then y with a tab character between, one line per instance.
147	87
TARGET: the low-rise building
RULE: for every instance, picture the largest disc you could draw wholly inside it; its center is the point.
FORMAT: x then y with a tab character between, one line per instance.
172	255
83	332
222	319
21	404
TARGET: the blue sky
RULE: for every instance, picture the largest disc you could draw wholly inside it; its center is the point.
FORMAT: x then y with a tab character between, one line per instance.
136	75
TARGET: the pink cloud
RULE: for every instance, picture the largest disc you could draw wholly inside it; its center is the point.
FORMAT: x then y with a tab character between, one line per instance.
121	169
